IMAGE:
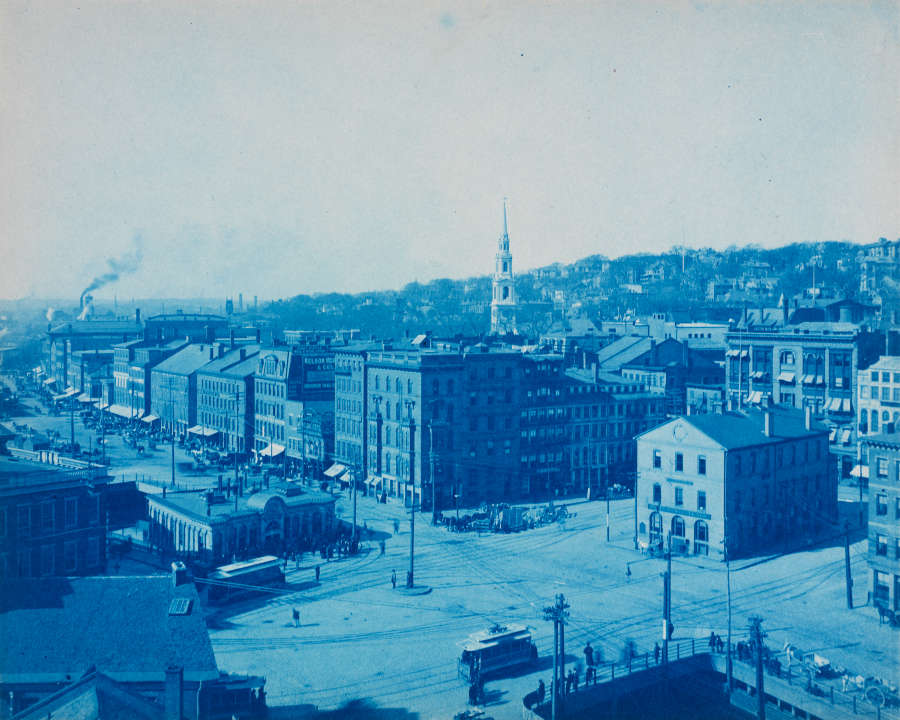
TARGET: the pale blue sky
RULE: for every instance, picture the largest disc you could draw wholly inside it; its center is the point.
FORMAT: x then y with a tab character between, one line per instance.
284	147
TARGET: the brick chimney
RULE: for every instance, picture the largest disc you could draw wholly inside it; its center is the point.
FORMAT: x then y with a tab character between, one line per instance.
174	693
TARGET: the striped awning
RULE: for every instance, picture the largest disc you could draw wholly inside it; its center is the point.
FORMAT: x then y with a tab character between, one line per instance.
151	418
202	431
123	411
787	377
336	470
271	450
860	471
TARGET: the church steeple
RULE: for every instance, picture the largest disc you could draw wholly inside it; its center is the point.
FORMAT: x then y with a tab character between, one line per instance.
503	300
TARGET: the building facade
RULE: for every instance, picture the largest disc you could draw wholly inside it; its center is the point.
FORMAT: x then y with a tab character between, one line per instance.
173	382
884	518
226	397
232	524
743	483
878	400
52	522
814	365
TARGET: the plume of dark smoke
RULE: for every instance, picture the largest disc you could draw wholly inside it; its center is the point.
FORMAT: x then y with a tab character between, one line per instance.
124	265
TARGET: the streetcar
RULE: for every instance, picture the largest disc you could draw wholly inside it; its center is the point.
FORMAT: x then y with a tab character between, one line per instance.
241	579
496	649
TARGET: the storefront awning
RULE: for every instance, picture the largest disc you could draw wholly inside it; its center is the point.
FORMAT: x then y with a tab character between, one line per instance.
335	470
122	411
70	392
202	431
845	437
845	405
787	377
860	471
757	375
270	451
151	418
38	370
49	381
101	405
832	435
733	353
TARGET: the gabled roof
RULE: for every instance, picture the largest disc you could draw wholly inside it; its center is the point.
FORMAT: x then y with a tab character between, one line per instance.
186	361
94	696
120	625
621	351
734	430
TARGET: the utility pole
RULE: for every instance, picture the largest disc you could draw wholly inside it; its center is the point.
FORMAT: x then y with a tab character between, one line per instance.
558	613
756	644
410	578
635	493
432	461
607	511
71	425
354	490
667	599
847	576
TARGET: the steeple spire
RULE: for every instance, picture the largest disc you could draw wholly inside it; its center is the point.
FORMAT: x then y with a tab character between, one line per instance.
505	228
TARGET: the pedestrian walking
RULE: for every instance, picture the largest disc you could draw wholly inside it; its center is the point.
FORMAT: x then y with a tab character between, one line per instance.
396	526
408	579
712	641
318	572
296	614
656	652
589	654
381	547
575	680
394	579
627	571
541	690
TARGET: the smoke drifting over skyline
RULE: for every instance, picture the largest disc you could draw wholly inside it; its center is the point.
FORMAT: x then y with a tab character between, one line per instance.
124	265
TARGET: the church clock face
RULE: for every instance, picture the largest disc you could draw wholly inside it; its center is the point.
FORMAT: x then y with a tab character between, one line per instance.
679	432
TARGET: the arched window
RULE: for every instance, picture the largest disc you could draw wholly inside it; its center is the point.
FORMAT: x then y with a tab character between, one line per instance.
701	532
387	463
387	411
787	357
378	382
409	386
677	527
505	292
874	421
387	436
397	386
397	409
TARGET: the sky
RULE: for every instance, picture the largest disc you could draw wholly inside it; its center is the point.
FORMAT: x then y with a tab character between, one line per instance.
276	148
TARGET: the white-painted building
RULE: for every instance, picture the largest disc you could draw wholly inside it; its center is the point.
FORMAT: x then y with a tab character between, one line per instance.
761	479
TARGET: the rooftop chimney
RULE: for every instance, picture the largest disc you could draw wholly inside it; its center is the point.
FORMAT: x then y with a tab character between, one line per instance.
137	316
808	418
174	693
769	424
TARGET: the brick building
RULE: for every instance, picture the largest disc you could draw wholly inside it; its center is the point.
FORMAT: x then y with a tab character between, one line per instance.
884	518
52	522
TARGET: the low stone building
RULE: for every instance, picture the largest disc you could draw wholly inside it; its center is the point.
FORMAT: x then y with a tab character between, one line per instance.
229	524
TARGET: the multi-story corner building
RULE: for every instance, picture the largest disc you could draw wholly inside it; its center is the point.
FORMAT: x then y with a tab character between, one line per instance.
812	365
884	518
63	340
545	468
483	432
742	482
503	298
52	522
310	436
297	372
133	362
173	382
409	393
225	398
350	405
606	413
878	397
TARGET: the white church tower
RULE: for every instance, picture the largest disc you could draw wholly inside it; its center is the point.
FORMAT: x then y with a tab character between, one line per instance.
503	300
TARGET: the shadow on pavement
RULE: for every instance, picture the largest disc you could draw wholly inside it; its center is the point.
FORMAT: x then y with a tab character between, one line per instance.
363	709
